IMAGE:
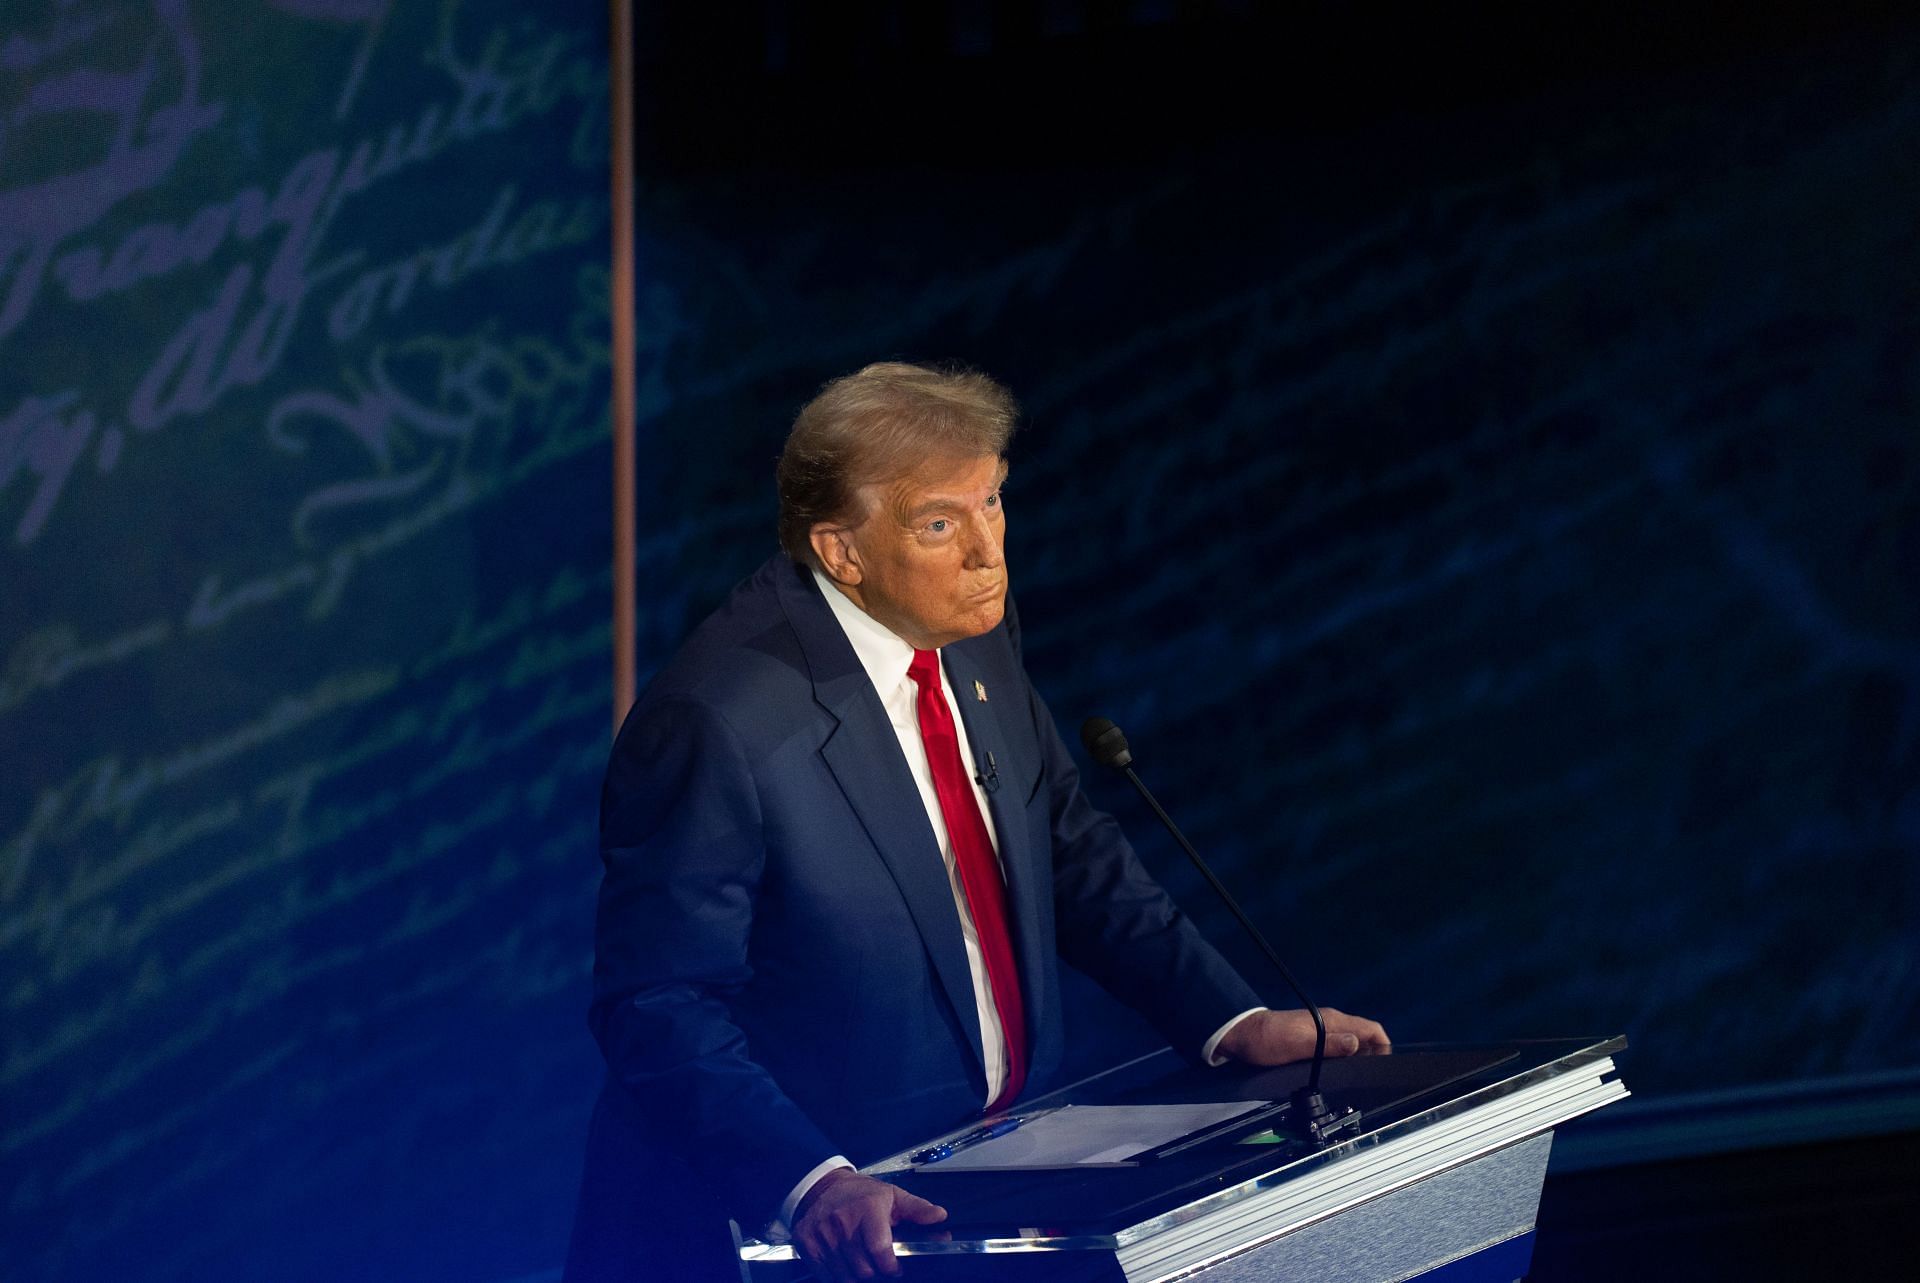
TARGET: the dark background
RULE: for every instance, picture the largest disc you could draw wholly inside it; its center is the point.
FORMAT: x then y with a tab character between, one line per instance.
1473	454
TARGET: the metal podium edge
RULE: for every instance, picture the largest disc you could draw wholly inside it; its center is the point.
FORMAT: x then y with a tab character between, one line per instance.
1343	1176
1369	1167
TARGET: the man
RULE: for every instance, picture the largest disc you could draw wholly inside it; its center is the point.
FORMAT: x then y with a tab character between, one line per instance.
844	845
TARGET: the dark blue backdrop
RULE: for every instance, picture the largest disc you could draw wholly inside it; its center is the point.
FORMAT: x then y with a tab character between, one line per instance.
1491	502
304	652
1476	464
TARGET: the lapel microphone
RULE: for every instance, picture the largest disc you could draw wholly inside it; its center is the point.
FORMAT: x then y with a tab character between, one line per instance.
990	779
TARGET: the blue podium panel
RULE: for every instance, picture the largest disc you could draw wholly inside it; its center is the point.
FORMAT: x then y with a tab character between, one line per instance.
1506	1262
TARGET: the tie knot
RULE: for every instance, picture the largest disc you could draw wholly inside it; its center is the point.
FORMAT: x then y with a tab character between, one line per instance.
925	667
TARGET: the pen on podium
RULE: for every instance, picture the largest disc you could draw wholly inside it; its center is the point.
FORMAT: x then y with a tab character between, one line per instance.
947	1149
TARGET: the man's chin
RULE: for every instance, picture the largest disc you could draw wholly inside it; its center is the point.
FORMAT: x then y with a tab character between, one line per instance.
975	619
986	618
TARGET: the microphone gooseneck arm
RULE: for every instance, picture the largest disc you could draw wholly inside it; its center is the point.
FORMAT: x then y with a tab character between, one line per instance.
1312	1119
1233	906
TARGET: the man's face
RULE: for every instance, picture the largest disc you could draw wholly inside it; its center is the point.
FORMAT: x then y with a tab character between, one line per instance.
926	558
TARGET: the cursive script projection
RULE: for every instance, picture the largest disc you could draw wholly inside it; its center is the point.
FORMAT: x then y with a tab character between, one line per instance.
303	650
1550	505
239	337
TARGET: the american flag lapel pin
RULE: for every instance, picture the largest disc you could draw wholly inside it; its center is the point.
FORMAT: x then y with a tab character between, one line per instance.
980	690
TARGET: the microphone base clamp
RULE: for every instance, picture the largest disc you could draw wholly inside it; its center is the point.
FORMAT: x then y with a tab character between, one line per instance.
1316	1122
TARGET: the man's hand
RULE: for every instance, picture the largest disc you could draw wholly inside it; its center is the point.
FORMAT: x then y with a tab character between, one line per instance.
1282	1037
844	1224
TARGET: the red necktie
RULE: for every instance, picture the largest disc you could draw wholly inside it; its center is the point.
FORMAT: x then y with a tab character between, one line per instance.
973	855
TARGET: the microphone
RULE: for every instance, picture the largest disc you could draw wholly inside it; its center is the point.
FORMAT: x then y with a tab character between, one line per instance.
1311	1119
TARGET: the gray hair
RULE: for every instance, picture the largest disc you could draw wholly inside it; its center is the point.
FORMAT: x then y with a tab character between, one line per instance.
878	423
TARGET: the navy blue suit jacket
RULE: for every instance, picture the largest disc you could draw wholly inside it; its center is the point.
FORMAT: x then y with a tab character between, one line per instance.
779	973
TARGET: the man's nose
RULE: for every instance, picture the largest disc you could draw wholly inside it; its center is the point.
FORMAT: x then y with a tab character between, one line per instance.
983	543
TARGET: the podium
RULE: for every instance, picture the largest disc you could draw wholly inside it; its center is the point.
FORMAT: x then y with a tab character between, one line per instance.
1440	1180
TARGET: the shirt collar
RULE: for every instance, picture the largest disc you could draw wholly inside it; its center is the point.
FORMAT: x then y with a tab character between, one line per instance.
882	653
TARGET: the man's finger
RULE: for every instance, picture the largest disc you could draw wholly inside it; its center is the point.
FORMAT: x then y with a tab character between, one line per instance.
874	1245
849	1262
1370	1032
911	1207
821	1257
815	1251
847	1251
829	1260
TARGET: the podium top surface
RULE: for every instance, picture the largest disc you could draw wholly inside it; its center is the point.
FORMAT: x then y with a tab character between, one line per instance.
1423	1108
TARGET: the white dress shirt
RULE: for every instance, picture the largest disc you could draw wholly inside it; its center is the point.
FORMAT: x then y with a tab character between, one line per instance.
885	658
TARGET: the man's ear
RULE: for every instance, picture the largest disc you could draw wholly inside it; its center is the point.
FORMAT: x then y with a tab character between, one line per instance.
833	545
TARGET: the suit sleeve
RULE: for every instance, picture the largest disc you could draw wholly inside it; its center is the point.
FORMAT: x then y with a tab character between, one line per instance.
1118	925
680	836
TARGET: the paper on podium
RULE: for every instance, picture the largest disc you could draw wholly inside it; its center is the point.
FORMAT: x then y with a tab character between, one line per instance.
1091	1135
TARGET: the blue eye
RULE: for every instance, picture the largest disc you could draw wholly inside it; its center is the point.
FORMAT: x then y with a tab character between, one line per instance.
993	500
938	525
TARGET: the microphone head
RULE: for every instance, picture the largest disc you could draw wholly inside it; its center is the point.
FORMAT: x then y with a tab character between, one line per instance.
1105	742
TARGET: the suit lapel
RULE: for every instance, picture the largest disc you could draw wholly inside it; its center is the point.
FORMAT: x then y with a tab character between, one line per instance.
863	753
